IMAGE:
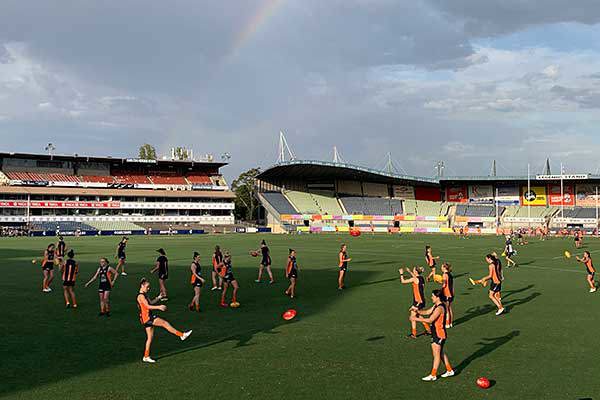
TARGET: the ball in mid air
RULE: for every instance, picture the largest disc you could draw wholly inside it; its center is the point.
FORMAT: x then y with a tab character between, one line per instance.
438	278
34	261
355	232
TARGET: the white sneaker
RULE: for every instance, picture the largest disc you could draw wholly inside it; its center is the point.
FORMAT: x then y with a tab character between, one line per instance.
592	290
148	360
500	311
123	273
429	378
48	289
45	290
448	374
186	335
214	288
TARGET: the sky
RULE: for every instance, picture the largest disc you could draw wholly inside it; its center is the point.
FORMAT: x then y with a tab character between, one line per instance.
463	81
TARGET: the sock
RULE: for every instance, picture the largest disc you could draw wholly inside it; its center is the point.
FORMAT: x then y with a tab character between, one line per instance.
414	332
197	307
178	333
146	353
427	328
433	372
448	367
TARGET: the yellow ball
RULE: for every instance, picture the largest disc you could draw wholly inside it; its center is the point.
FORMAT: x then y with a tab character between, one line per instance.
567	254
234	304
503	254
33	261
438	278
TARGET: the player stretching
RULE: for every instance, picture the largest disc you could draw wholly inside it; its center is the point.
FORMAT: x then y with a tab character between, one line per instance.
69	269
436	317
104	274
228	278
197	281
589	266
48	268
265	262
343	265
448	291
217	262
496	276
162	266
291	272
418	285
430	260
149	320
121	255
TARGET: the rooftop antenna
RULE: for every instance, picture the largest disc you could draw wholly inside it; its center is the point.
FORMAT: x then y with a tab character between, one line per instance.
440	169
493	168
283	149
547	170
337	158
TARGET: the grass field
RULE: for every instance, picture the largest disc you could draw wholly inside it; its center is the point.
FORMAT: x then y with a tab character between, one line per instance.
342	345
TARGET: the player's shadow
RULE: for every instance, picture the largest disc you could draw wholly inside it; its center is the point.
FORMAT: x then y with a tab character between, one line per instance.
487	345
478	311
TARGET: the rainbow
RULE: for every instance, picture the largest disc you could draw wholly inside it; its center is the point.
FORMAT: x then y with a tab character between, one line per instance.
264	12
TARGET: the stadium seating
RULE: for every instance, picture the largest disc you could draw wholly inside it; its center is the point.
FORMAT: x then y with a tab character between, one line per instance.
279	202
97	179
327	205
42	177
115	225
410	207
428	208
168	180
475	211
132	179
62	226
523	212
579	212
3	179
198	179
372	205
303	202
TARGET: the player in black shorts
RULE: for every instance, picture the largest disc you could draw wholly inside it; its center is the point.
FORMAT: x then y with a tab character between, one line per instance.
121	257
291	272
106	276
265	262
69	273
228	279
48	268
418	285
197	282
61	250
162	266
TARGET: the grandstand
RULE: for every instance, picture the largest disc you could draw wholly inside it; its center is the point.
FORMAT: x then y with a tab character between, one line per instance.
80	193
313	196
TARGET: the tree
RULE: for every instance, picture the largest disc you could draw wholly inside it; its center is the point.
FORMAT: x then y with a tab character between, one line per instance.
246	204
147	152
181	153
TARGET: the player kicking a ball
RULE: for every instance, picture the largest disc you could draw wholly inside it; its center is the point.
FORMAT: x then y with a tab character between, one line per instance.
589	266
150	321
418	285
495	275
436	317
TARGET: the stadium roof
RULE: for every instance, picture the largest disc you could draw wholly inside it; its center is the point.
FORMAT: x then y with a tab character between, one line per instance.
108	159
318	170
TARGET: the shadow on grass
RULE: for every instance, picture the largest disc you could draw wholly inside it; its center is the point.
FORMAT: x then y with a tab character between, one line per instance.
488	345
478	311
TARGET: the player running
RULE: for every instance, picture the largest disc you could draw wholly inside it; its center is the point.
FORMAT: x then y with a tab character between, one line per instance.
589	266
448	291
430	260
228	279
418	285
61	251
291	272
162	266
197	281
436	316
343	266
121	257
496	276
149	320
69	270
509	252
48	268
106	276
265	262
217	262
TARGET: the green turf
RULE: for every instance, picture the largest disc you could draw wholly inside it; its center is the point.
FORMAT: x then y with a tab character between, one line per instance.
342	345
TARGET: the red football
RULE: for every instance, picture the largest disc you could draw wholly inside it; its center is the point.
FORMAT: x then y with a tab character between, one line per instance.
289	314
355	232
254	253
483	382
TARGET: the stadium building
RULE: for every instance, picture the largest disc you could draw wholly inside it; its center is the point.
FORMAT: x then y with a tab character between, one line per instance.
105	195
317	196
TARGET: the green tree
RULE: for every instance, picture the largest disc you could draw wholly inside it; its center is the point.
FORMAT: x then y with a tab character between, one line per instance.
181	153
147	152
246	204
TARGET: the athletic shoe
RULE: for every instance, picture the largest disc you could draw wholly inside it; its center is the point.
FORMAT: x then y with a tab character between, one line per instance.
220	288
257	280
123	273
214	288
448	374
190	307
46	290
500	311
224	305
271	282
592	290
429	378
411	336
186	335
68	305
163	299
148	360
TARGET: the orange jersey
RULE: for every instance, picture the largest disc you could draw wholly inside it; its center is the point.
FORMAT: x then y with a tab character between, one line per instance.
145	312
439	325
429	260
216	260
496	270
70	271
343	256
589	265
418	287
448	284
290	265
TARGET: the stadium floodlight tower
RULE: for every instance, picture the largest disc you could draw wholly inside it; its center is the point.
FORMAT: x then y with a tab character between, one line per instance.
283	149
50	149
